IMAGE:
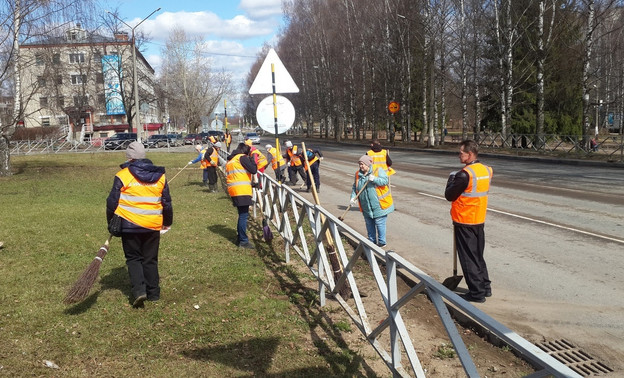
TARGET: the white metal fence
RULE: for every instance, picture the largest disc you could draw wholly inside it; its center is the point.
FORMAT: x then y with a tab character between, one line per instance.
304	226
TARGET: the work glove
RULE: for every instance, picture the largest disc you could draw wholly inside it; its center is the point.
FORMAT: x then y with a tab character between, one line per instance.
190	162
353	201
371	178
452	174
321	158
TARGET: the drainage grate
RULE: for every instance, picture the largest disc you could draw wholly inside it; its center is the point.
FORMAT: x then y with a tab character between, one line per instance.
574	358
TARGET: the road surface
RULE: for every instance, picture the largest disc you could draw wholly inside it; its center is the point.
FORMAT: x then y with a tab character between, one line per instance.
554	239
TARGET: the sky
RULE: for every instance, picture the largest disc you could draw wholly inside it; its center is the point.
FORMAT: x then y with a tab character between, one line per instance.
233	31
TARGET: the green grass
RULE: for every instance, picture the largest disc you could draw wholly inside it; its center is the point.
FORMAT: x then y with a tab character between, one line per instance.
254	317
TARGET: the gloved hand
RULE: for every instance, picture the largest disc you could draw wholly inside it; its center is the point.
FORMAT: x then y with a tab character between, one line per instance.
190	162
321	158
353	201
452	174
371	177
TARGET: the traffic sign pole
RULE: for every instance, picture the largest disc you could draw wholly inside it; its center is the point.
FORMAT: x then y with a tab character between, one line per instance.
277	144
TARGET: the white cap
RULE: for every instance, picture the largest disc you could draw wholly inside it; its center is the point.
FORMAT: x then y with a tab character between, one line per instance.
288	143
268	147
218	144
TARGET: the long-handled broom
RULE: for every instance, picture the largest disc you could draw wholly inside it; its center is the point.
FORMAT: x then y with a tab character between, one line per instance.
81	288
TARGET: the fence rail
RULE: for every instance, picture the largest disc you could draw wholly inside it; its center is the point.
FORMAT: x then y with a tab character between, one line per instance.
291	215
610	146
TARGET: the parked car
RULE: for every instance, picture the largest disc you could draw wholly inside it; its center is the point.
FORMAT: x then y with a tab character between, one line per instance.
255	138
119	141
192	139
155	141
174	140
218	134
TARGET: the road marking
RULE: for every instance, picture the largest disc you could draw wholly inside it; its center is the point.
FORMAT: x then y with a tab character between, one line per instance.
539	221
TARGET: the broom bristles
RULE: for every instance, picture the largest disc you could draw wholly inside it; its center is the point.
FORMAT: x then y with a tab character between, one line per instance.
81	288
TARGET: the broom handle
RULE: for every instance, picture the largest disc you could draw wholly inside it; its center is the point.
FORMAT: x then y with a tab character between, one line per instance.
176	175
356	197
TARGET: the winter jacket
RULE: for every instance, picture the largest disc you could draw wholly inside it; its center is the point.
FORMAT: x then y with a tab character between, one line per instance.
143	170
369	202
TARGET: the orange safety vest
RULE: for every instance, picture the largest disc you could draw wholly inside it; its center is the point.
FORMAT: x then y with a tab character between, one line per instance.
295	160
204	163
379	161
140	202
276	159
212	139
260	159
310	162
214	157
471	206
238	179
228	139
383	194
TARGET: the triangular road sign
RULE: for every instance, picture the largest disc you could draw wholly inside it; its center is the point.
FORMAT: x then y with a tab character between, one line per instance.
263	83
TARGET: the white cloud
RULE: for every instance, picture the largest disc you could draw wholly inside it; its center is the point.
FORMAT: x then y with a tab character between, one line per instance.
206	24
261	9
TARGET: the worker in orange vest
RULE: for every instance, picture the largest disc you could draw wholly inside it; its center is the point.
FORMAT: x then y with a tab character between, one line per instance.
295	163
238	175
468	190
140	196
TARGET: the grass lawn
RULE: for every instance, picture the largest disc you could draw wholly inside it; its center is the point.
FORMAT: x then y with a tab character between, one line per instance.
224	311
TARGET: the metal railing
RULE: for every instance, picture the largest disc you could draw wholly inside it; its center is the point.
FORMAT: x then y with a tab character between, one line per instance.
608	145
49	146
291	215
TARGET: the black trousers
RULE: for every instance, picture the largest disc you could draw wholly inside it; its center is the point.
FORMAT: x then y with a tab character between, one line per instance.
470	243
141	251
293	171
212	175
314	168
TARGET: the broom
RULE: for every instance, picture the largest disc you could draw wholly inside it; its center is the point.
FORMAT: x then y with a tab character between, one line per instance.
81	288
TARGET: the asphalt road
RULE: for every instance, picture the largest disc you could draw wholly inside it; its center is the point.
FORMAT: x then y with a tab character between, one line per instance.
554	239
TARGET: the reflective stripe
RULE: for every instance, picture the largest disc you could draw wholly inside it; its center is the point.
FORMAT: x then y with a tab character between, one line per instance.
129	197
136	210
474	195
238	183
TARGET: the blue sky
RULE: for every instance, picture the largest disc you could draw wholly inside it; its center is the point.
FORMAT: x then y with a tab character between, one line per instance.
233	30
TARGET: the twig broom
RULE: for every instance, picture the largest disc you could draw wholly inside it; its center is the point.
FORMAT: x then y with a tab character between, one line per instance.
81	288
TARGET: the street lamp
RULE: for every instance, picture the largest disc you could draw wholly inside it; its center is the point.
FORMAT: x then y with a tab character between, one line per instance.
135	82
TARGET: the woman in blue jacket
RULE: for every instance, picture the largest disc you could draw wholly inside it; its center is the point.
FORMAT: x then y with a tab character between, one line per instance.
375	201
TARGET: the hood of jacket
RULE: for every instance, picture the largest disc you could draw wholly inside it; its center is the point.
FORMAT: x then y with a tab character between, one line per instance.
144	170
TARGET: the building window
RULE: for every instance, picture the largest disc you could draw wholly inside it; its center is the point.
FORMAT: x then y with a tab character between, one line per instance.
45	121
78	79
60	101
39	60
56	58
101	99
76	58
41	81
99	78
59	79
80	100
43	102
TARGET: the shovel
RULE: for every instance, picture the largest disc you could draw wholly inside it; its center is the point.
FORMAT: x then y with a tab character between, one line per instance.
451	283
267	234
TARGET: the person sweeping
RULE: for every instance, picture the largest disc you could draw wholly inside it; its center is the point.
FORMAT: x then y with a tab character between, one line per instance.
375	200
140	196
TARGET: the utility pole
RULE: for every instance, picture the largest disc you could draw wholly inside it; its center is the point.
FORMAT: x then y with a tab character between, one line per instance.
136	119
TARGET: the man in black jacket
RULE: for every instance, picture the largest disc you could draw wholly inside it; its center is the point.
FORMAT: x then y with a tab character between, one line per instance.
140	196
239	171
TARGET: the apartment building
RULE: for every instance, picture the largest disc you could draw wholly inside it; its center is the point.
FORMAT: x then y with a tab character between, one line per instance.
78	81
